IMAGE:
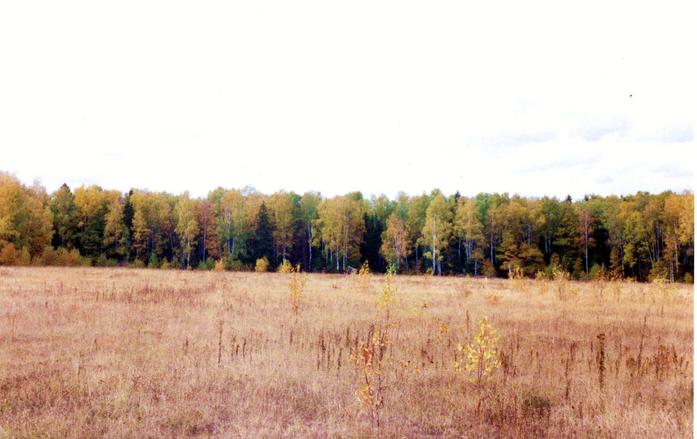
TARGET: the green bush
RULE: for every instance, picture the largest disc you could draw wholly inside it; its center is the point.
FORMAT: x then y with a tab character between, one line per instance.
101	261
207	265
153	261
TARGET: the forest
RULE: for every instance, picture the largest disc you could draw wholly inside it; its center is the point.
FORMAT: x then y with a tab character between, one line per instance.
642	236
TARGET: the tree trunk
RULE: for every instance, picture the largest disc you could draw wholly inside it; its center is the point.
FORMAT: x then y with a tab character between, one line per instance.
309	246
433	254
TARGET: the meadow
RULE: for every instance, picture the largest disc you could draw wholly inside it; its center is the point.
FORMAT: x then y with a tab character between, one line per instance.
111	352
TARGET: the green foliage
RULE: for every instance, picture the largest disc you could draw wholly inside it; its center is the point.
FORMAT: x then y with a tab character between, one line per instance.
263	236
153	261
642	236
206	265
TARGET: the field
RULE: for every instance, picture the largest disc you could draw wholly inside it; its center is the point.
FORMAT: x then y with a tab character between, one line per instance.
147	353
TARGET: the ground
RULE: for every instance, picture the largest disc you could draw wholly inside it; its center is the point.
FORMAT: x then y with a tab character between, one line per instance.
150	353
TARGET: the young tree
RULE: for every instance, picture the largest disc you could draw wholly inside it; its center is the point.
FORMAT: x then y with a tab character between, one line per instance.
283	210
234	221
416	217
262	246
92	204
395	240
309	205
115	231
470	230
205	216
341	227
141	234
437	229
25	217
64	217
187	226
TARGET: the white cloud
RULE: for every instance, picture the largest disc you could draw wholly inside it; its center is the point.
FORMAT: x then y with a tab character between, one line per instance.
529	97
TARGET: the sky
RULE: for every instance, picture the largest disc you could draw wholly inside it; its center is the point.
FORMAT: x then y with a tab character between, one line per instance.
534	98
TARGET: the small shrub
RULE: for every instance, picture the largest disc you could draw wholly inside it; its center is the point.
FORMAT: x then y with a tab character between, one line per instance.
369	359
285	267
536	405
262	265
219	265
48	257
389	292
688	279
234	264
488	269
138	264
101	261
24	257
296	285
206	265
9	255
480	358
597	272
166	265
363	277
153	261
493	298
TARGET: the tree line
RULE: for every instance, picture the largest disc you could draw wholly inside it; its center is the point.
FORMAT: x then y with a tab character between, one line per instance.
642	236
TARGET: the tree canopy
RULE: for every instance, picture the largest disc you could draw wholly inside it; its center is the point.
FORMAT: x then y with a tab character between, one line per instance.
642	236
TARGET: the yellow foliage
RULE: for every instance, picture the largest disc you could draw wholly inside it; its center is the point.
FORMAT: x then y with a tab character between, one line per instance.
389	294
363	276
262	265
296	285
480	358
219	265
285	267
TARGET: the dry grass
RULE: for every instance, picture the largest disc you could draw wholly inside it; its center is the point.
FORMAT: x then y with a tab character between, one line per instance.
137	353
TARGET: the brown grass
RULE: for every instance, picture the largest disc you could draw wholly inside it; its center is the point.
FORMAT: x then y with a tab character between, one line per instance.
138	353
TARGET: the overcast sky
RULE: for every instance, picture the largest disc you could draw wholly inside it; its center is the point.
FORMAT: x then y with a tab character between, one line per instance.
536	98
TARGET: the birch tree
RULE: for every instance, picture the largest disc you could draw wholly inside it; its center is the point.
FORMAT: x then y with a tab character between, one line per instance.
437	229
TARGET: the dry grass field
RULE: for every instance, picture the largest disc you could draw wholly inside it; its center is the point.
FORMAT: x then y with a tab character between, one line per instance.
139	353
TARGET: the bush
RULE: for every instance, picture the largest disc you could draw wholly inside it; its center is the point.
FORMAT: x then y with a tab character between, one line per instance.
8	255
659	270
233	264
166	265
47	257
25	257
71	258
206	265
536	405
488	269
138	264
285	267
101	261
597	272
153	261
262	265
688	278
219	265
61	257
